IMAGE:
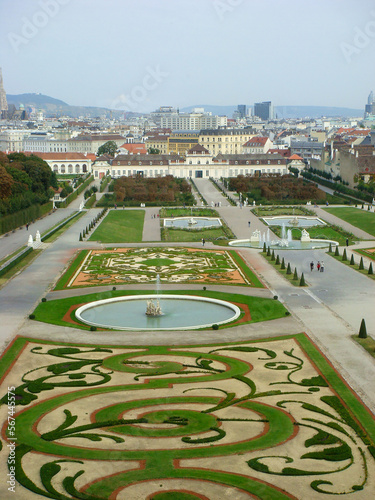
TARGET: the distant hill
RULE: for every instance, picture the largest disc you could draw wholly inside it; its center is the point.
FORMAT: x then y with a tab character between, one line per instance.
56	107
287	111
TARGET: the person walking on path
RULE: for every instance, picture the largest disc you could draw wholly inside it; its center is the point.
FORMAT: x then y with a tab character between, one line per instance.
203	242
312	265
318	266
322	267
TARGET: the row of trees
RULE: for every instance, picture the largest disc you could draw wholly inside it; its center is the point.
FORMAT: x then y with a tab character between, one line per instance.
275	187
24	181
159	189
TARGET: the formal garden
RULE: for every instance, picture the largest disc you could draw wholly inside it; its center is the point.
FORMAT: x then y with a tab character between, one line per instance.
321	232
129	266
267	419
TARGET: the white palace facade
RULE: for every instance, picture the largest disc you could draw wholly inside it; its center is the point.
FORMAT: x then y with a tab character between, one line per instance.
198	163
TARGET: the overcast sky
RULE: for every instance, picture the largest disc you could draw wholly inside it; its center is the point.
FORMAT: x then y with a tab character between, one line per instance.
141	54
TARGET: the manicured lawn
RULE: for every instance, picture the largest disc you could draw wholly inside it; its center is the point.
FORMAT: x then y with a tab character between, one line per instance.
187	212
120	226
181	235
272	211
333	233
362	219
261	309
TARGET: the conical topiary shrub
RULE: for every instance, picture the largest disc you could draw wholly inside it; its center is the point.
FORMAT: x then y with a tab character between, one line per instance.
370	271
337	251
295	277
277	260
264	247
289	269
361	267
330	248
352	260
282	264
344	256
302	281
273	255
80	237
362	330
269	252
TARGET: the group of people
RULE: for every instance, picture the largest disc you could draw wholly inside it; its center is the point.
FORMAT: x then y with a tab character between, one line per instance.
319	266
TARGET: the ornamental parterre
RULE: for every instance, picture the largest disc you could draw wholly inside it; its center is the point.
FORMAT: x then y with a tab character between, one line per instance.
266	419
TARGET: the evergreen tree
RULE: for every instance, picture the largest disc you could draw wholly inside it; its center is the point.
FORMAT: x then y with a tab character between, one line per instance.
295	277
273	255
282	264
352	260
302	281
264	247
362	330
289	269
344	257
277	260
370	271
337	251
361	266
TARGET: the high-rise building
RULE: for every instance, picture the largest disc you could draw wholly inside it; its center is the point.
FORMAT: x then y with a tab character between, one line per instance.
370	107
242	112
3	99
264	110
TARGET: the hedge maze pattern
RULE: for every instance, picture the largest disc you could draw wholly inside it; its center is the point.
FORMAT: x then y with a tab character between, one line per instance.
253	420
173	265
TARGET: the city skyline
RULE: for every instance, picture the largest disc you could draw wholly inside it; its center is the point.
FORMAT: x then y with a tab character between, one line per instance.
138	56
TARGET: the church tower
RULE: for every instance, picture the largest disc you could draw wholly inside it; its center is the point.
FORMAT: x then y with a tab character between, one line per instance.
3	99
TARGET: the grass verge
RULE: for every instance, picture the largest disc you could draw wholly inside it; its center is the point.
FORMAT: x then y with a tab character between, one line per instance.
284	272
368	344
62	229
356	267
22	264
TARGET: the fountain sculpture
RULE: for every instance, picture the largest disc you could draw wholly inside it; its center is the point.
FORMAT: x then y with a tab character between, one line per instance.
153	309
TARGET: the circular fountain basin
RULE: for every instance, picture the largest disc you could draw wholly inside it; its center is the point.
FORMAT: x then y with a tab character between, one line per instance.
192	222
292	245
180	312
293	221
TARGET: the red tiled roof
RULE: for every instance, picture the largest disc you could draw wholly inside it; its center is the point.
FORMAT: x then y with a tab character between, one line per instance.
282	152
295	157
256	141
135	148
65	156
